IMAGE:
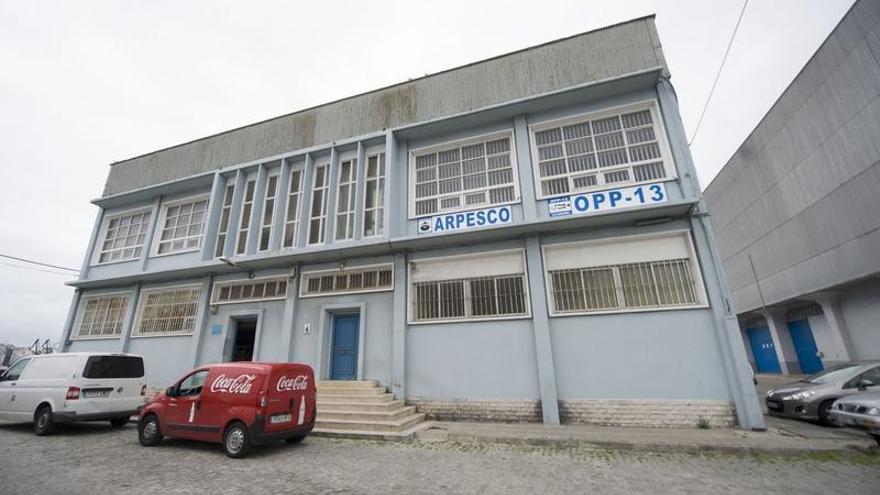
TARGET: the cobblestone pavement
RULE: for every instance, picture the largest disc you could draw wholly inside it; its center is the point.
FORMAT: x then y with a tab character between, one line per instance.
92	458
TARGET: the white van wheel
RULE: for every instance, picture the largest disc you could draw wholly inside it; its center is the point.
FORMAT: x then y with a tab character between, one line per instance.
43	424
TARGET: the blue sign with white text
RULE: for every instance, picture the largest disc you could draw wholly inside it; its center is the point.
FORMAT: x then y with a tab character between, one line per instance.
465	220
605	201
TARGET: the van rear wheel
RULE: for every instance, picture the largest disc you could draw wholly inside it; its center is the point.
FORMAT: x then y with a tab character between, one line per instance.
43	424
295	440
236	442
149	433
119	422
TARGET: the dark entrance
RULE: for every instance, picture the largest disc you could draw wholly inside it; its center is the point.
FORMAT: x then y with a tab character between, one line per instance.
243	345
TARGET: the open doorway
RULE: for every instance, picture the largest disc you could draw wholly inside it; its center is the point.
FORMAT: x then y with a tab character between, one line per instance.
243	340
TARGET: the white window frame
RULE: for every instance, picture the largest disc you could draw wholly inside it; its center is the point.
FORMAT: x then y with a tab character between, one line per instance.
696	272
105	226
225	209
219	285
74	333
379	208
410	296
295	196
243	231
662	141
351	204
160	225
304	276
270	210
458	143
322	217
142	300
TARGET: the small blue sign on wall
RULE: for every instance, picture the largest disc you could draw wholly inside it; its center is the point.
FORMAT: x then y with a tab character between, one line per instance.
216	329
559	207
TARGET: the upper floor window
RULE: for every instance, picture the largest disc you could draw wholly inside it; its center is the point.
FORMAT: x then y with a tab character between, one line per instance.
294	198
345	200
247	206
123	236
596	151
657	272
268	212
182	225
168	311
224	220
318	211
101	316
470	174
374	196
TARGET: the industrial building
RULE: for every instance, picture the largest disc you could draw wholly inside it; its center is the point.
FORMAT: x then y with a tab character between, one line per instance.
518	239
797	215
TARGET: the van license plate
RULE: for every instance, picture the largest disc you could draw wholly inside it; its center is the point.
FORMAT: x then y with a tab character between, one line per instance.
94	394
280	418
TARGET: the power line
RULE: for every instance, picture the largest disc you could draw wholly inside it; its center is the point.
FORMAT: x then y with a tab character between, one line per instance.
34	262
37	269
718	75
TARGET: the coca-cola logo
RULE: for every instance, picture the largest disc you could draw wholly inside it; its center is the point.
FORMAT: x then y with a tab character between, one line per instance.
293	383
241	384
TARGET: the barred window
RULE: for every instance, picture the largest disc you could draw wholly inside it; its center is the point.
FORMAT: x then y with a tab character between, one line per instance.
318	211
347	280
666	278
101	316
294	197
244	223
461	177
345	200
182	226
594	153
224	220
268	212
124	237
167	311
374	196
257	289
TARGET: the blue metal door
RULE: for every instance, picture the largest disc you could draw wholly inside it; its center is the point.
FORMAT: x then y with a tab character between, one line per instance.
763	350
805	346
343	359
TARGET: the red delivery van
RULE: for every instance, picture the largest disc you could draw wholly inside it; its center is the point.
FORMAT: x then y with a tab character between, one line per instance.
236	404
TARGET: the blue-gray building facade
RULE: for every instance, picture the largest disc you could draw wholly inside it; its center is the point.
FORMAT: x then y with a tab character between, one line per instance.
520	238
797	215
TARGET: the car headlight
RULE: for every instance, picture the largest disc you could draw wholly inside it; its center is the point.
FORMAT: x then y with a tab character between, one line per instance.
800	395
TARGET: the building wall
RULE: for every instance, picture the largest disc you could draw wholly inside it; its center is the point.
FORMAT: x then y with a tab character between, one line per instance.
861	312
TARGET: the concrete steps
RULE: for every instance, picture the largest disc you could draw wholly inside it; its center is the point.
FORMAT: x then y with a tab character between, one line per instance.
363	409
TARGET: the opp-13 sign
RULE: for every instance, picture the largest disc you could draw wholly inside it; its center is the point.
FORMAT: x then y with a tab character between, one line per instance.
451	222
609	200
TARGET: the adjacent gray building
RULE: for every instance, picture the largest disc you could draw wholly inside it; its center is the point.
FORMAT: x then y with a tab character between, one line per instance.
518	238
797	214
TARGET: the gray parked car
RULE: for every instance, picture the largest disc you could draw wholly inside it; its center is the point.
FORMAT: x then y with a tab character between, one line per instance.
860	411
812	397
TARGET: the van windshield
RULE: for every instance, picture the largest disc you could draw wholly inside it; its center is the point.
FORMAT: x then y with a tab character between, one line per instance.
99	367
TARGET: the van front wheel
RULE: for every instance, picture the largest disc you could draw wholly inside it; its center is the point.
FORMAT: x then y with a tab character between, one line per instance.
236	443
149	433
43	424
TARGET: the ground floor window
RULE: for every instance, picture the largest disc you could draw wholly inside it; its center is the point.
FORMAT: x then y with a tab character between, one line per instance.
170	311
252	289
495	287
347	280
630	274
101	315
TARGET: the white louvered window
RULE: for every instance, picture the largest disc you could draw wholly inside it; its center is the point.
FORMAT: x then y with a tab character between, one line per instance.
244	221
374	196
489	286
124	237
169	311
249	290
101	316
294	198
223	229
473	174
347	280
318	210
345	200
606	277
182	225
268	212
604	150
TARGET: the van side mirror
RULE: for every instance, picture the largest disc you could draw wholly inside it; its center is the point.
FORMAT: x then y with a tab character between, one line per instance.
864	384
170	391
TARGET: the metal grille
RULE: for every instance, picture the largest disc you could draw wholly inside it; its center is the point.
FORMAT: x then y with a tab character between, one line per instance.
168	311
294	196
182	228
475	174
622	142
803	312
258	289
755	322
374	196
318	212
348	280
268	213
667	283
345	200
102	316
124	238
245	221
224	221
480	297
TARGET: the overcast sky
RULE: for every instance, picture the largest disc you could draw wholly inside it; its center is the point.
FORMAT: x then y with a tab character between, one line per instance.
83	84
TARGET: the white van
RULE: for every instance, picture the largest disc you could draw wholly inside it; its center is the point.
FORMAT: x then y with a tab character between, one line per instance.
78	386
